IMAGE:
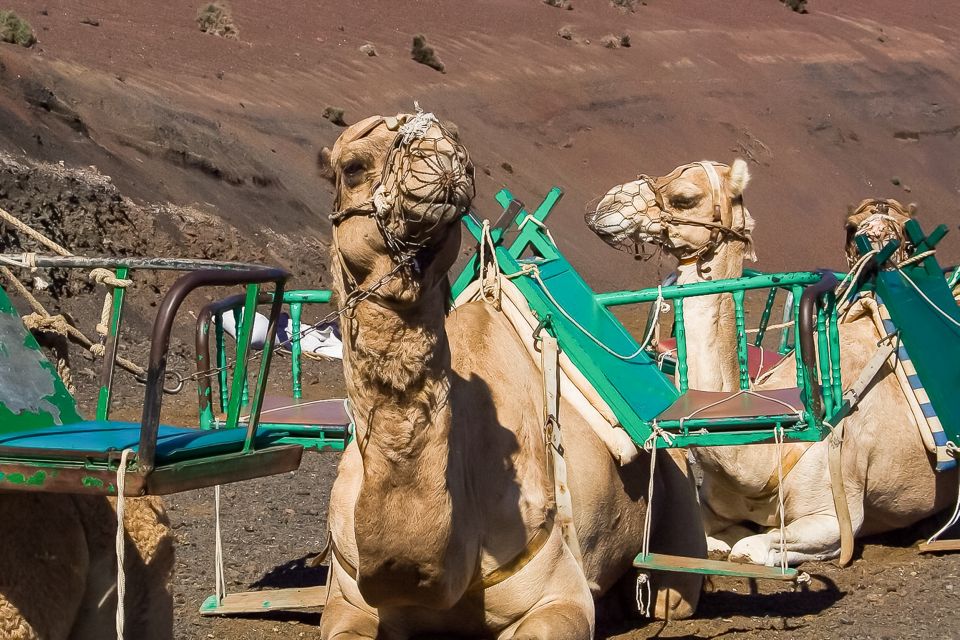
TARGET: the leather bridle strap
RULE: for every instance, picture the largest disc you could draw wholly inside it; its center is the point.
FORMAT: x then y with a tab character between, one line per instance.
495	577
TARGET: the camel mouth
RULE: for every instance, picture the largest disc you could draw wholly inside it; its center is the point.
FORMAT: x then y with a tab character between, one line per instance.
621	217
427	184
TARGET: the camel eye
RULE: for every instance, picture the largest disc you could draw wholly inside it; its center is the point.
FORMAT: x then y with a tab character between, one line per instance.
684	202
353	172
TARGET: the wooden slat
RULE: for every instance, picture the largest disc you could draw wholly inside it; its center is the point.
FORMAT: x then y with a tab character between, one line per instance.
663	562
267	600
940	545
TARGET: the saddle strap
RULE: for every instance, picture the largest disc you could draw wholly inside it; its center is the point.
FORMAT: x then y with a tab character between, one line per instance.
556	465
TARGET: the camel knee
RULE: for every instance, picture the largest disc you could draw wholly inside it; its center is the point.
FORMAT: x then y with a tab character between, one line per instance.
556	621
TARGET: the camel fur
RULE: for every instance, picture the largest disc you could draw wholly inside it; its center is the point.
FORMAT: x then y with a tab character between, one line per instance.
58	568
888	475
446	479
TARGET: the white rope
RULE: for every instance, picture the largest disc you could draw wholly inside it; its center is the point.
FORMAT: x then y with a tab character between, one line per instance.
852	276
928	300
952	449
121	541
534	272
772	327
489	287
417	126
538	223
778	439
748	392
643	580
219	577
644	593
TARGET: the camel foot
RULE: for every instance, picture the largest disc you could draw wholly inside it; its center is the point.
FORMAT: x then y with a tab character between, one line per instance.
764	549
555	621
717	549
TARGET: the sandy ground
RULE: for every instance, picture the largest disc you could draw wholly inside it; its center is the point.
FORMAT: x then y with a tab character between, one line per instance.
211	145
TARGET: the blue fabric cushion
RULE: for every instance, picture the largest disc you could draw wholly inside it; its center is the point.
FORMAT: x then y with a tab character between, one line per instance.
173	443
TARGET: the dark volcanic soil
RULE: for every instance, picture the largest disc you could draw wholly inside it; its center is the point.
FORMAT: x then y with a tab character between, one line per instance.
210	146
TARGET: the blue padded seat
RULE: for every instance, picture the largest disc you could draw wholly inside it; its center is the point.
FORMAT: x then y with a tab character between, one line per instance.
174	444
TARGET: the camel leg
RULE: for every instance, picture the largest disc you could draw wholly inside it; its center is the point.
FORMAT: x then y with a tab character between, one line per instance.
557	620
810	538
677	530
344	621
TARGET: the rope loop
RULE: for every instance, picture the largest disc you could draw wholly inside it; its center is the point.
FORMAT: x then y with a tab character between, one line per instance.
121	541
107	277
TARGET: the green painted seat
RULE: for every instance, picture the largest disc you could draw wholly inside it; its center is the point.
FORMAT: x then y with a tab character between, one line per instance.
46	446
97	438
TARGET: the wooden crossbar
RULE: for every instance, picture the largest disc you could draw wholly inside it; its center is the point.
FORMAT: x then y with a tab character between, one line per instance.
682	564
267	600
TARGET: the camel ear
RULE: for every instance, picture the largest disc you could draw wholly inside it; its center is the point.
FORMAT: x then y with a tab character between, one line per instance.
739	177
324	165
749	224
912	209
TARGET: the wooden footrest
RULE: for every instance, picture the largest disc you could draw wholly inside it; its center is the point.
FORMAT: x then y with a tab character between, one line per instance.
268	600
682	564
940	546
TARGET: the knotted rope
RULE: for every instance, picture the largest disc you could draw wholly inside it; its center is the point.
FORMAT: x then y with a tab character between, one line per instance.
121	541
108	279
644	593
42	320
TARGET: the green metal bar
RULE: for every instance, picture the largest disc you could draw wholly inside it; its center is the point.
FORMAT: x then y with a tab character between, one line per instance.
823	349
295	350
531	235
954	278
741	339
239	383
790	279
238	320
110	355
681	331
206	411
265	356
222	375
763	434
311	296
789	313
797	292
836	382
765	318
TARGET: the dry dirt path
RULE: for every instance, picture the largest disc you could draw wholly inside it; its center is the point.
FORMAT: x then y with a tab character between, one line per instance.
271	526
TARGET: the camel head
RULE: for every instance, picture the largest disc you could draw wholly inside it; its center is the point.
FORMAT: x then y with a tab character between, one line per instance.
688	212
402	183
880	221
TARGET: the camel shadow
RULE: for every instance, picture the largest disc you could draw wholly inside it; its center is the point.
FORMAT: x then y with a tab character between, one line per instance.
811	598
293	574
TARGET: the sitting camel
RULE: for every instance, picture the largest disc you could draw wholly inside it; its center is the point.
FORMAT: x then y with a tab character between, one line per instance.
442	513
696	214
58	568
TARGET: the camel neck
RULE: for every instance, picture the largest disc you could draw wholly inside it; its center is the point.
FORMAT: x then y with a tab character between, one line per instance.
709	321
398	376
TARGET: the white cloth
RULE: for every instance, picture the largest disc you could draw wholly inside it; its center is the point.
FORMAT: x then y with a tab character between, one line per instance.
322	340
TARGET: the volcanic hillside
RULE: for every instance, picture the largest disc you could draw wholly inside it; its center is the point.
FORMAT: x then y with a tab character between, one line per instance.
850	100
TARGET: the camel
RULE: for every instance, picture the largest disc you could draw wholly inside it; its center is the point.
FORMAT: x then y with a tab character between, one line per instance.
441	516
58	568
696	214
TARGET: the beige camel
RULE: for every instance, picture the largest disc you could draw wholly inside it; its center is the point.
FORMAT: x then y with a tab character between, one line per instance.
697	215
58	568
442	513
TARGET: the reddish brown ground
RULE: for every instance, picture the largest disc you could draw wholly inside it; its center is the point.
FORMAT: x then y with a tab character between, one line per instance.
829	107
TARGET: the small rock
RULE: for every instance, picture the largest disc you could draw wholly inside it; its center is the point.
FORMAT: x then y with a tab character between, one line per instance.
93	22
895	181
369	50
506	166
566	32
